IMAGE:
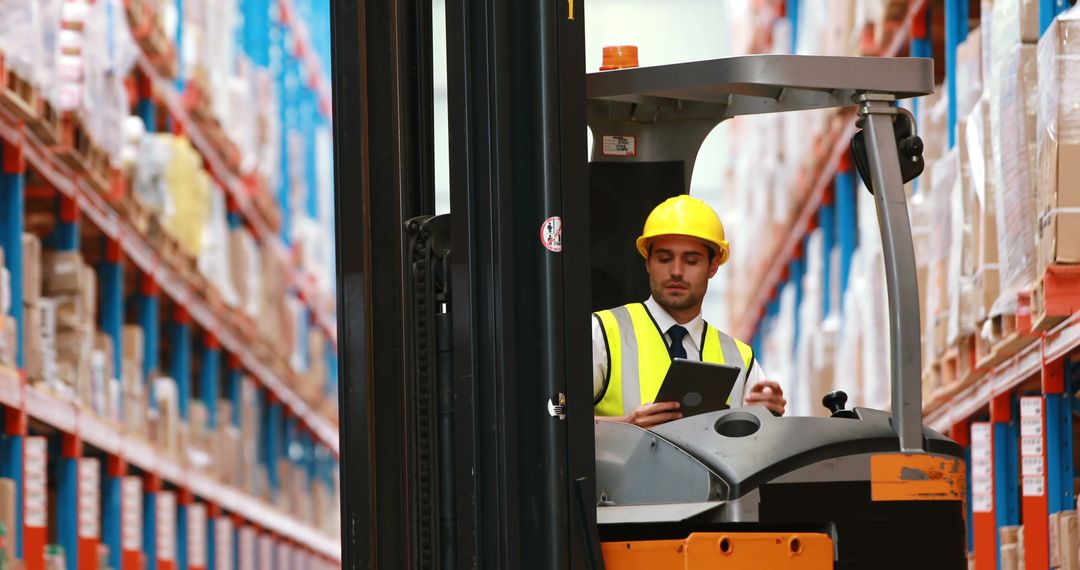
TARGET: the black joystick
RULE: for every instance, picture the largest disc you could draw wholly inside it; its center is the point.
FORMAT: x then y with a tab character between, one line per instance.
835	401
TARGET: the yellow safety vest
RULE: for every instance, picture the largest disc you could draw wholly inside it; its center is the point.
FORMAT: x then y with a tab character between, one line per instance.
638	358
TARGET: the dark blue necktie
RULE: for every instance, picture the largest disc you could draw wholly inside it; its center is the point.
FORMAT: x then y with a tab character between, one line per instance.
677	350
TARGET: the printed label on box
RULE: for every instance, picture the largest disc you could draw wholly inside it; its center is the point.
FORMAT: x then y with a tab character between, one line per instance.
1031	465
223	535
982	503
1034	487
1031	445
1031	427
89	498
1031	406
35	498
131	513
166	525
196	516
618	145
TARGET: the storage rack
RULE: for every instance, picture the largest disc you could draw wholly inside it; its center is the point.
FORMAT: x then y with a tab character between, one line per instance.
1019	400
151	508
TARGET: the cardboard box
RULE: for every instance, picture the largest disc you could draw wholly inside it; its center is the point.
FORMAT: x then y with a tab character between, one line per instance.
31	253
1069	534
8	340
62	272
1029	21
1009	557
1058	140
1054	530
32	342
7	515
133	344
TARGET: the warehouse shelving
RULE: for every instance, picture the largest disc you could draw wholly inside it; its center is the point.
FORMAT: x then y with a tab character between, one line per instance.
240	192
804	220
67	417
148	261
156	508
1012	405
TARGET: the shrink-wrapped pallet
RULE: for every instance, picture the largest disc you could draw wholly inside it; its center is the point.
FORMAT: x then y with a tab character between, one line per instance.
1058	141
1010	165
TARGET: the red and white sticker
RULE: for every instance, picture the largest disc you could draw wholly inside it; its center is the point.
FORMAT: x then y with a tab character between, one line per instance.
618	145
551	234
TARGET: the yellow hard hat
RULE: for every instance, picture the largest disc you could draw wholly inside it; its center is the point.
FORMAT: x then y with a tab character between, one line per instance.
684	216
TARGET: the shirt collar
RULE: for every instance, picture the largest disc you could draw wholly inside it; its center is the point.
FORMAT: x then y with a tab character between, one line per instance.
665	321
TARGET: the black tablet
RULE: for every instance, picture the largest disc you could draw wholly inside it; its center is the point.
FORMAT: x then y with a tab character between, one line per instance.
699	387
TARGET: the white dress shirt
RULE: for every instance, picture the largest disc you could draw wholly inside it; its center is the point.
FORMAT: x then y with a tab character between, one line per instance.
664	321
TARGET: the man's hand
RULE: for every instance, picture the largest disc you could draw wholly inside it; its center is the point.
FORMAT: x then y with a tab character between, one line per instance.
768	394
651	415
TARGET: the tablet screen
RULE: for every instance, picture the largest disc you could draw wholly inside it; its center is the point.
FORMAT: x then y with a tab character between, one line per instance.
699	387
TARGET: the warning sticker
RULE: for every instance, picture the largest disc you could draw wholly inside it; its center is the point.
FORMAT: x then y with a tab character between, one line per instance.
551	234
618	145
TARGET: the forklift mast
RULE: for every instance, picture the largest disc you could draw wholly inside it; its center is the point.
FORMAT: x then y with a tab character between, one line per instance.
465	393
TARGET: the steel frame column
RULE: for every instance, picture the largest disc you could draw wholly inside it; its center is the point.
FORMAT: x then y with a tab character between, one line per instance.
180	357
847	227
112	516
67	226
209	378
111	308
148	303
151	487
12	208
67	505
12	467
827	222
383	162
517	158
956	30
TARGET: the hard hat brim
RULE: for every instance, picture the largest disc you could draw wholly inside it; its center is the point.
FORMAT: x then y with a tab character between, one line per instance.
722	249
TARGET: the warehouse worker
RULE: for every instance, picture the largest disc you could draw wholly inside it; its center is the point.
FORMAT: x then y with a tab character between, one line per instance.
683	245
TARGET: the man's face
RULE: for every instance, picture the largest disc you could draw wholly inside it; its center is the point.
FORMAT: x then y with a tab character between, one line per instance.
679	271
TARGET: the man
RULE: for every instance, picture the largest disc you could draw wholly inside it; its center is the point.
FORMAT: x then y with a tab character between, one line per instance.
683	245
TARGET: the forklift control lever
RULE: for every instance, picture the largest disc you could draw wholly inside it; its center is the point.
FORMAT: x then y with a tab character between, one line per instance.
835	401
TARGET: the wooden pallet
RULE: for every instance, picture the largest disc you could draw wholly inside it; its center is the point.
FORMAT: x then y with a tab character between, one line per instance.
999	339
1055	296
958	366
148	32
47	126
18	95
77	149
136	213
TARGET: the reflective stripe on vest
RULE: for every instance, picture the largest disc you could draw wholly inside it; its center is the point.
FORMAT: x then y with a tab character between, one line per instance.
638	359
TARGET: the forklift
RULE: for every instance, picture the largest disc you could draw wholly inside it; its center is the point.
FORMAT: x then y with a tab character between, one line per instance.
467	434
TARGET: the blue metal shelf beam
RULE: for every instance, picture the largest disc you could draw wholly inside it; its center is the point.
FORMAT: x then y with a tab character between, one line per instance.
180	358
12	206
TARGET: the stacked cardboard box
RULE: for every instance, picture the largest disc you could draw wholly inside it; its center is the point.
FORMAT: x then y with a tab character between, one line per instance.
1058	142
72	286
33	349
1013	79
8	339
164	422
1010	547
131	379
7	516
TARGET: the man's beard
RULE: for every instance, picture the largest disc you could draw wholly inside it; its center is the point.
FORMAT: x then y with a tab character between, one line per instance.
678	304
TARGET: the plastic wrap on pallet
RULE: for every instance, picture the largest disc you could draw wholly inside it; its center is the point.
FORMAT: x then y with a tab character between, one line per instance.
188	187
1058	142
215	262
1010	164
21	37
969	72
109	54
149	183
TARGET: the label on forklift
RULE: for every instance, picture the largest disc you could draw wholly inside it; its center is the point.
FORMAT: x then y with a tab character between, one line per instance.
1031	445
1034	487
551	234
618	145
1031	465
